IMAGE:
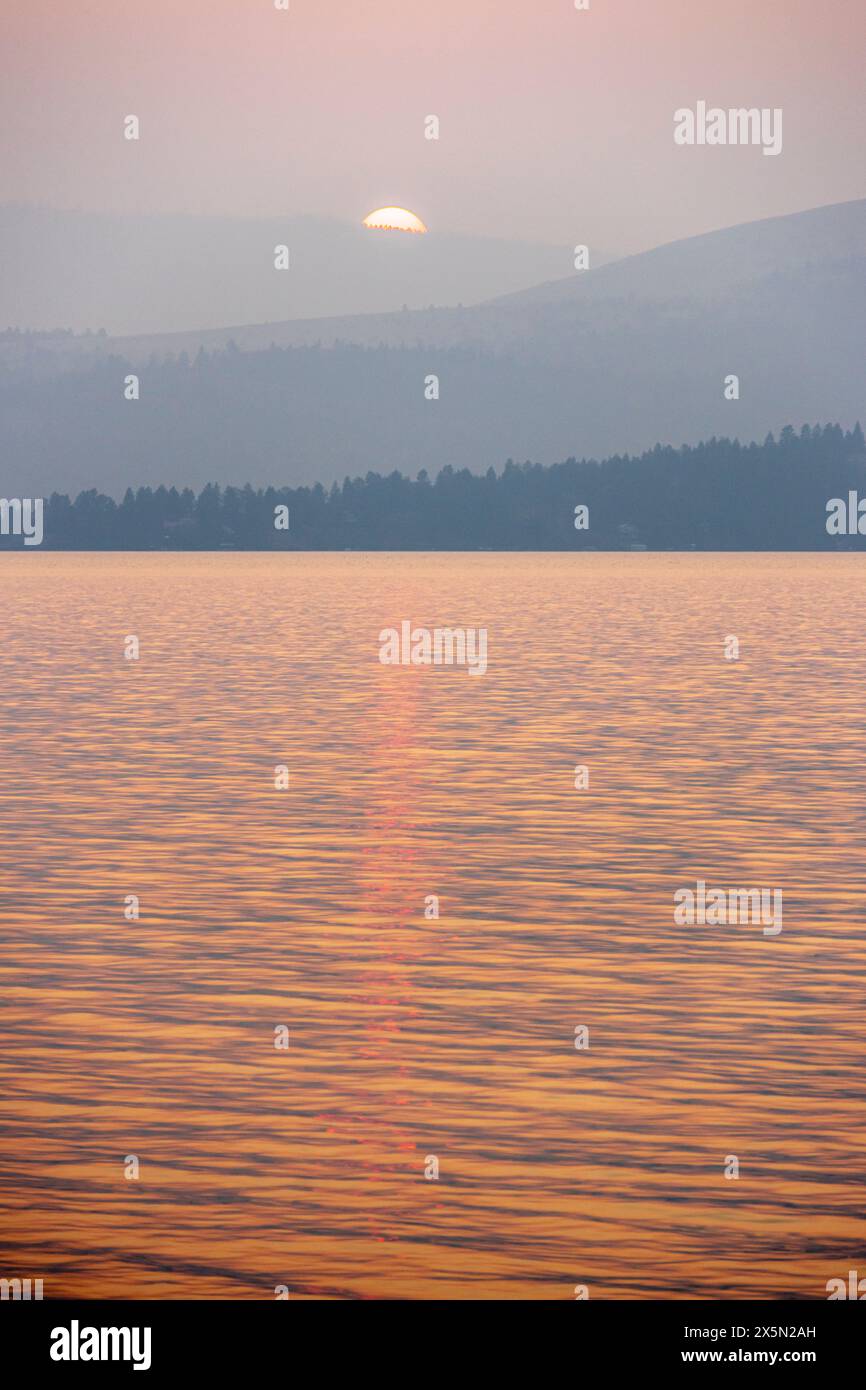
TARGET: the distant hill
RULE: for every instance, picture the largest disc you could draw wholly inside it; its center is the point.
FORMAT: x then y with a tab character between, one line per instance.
595	365
148	274
696	271
703	267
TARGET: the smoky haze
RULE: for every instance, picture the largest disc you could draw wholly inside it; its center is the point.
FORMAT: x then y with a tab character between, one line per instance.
555	124
635	353
131	274
258	128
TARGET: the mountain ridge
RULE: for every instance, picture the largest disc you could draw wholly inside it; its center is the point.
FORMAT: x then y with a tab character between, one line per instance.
588	373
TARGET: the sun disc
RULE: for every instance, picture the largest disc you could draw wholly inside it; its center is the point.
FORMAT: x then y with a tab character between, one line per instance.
393	220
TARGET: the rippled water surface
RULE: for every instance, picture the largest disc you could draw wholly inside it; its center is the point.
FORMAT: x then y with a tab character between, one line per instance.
409	1037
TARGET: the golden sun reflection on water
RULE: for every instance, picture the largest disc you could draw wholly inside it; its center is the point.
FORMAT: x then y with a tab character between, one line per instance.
412	1037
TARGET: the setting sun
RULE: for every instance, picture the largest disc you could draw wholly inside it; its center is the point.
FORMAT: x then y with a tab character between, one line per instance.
394	220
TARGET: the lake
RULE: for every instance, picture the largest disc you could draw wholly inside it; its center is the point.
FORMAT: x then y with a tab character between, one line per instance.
305	914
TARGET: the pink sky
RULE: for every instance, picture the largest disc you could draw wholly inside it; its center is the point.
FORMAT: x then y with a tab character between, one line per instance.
555	124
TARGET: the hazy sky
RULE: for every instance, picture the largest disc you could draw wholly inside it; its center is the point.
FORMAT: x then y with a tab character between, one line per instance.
555	124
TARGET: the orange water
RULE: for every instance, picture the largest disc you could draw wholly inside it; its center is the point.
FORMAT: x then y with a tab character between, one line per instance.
454	1037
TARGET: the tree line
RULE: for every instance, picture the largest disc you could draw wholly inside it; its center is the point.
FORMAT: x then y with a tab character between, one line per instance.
718	495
